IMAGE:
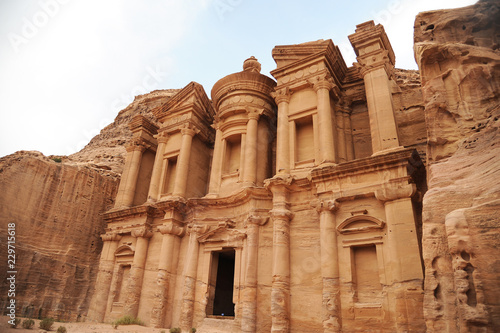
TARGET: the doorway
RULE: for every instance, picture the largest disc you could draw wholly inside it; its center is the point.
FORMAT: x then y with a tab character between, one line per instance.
222	284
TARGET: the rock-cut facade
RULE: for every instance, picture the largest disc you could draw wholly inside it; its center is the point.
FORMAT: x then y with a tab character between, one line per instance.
290	204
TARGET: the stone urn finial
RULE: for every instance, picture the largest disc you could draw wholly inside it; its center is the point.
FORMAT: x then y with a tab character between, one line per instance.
251	64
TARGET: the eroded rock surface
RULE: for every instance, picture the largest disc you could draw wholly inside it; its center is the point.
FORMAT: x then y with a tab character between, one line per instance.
57	212
457	52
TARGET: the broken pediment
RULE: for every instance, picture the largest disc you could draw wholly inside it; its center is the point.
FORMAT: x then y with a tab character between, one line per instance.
190	98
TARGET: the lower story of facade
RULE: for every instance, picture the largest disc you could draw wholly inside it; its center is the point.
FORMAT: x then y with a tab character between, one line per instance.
338	250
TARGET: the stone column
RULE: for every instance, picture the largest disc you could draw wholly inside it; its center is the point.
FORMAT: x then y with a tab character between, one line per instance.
281	216
155	184
134	285
216	173
183	162
383	126
170	232
126	190
190	275
104	277
332	317
325	119
282	98
250	167
249	300
376	62
405	272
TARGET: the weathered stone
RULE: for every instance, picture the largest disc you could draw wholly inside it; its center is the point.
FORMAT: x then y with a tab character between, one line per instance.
457	52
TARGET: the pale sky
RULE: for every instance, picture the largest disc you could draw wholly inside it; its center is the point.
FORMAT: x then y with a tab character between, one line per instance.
68	66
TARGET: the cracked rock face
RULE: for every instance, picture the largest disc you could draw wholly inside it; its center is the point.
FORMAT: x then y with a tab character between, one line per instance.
458	54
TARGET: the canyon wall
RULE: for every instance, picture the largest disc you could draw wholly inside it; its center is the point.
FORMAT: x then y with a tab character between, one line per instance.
56	209
458	55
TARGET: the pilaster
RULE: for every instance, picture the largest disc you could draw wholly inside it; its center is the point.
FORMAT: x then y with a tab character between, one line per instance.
126	190
376	64
250	167
155	184
282	98
249	301
170	231
190	275
180	183
331	309
97	309
322	86
134	285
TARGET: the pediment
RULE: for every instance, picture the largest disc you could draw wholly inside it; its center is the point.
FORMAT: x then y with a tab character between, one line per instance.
124	250
191	96
360	223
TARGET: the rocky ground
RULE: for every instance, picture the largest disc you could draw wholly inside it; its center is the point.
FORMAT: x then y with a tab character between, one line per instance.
79	328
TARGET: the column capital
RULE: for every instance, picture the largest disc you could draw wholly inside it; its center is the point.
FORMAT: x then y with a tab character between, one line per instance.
172	229
396	189
111	237
282	95
162	137
278	180
136	144
256	220
324	81
325	205
189	130
375	61
198	229
253	113
142	232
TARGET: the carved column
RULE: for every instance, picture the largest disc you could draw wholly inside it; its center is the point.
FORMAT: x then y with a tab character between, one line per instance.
405	271
250	168
183	162
376	62
134	285
170	232
249	301
155	185
282	98
126	190
190	275
332	317
280	292
104	277
327	143
216	173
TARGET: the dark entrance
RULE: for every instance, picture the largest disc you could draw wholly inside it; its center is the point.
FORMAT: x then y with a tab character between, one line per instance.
222	284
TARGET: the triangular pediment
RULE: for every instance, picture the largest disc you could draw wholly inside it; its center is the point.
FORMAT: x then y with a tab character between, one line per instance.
192	96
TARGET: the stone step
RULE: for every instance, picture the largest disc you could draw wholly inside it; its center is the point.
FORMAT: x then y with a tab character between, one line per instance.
216	325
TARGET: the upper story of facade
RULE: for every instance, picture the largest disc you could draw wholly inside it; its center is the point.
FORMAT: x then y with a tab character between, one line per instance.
317	112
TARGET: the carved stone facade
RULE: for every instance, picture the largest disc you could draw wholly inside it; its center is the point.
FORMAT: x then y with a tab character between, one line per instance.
277	206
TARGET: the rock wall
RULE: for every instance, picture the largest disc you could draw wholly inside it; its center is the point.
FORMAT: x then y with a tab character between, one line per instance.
458	55
57	212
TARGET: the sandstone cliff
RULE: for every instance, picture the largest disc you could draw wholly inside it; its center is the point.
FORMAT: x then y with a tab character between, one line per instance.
57	210
459	60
